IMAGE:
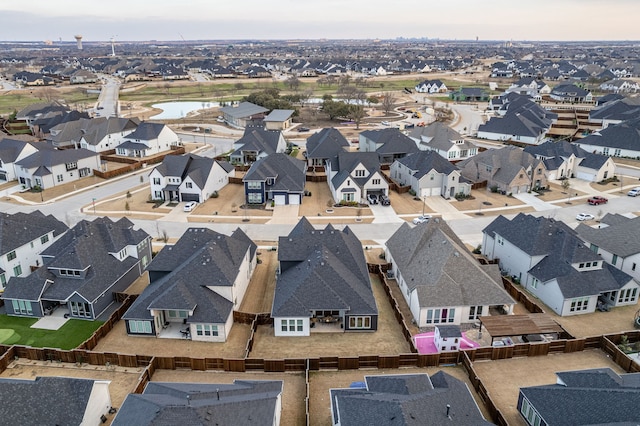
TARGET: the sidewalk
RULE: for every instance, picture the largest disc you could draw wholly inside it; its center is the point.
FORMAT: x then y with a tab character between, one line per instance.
444	207
533	201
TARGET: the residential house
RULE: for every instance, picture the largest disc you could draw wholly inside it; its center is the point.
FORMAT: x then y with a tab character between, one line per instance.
406	399
389	144
617	240
12	151
571	93
256	143
243	402
431	86
189	177
354	175
469	94
615	111
34	111
82	77
530	86
324	145
508	169
68	134
442	139
242	114
55	401
440	279
41	126
583	397
105	134
564	159
619	85
429	174
278	119
277	178
81	271
23	236
620	140
195	285
50	167
322	280
551	262
148	139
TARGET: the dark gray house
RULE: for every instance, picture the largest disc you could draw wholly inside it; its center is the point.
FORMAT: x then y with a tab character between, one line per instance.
194	287
242	403
584	397
279	178
406	399
389	144
323	280
256	143
82	270
324	145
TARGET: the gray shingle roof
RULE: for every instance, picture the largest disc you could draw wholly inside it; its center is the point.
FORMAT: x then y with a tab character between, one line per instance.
191	165
146	131
433	261
411	399
327	143
19	229
588	397
346	162
423	162
10	149
329	273
243	403
436	135
243	110
259	140
54	157
621	238
289	173
98	128
279	115
625	135
45	401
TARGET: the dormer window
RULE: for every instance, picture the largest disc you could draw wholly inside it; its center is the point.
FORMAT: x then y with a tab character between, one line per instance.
122	254
360	173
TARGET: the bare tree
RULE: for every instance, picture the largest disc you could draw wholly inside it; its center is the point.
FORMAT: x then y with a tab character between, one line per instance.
48	93
293	83
356	110
387	102
305	96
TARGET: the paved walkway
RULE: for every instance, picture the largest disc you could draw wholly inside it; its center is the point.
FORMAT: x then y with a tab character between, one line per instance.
384	214
535	202
444	207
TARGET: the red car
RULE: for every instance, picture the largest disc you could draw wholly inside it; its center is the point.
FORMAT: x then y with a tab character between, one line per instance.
595	200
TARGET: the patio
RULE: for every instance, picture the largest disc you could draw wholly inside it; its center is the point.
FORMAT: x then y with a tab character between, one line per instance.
54	321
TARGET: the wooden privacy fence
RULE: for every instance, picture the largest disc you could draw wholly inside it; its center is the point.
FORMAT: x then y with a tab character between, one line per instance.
521	297
113	319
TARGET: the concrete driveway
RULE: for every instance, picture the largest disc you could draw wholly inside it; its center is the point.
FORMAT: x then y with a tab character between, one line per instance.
384	214
285	215
440	205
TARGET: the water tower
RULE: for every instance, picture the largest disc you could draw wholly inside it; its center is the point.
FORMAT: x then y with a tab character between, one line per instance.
78	41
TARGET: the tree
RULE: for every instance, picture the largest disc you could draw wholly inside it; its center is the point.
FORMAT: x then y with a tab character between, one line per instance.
335	109
305	96
566	184
293	83
127	207
356	109
387	102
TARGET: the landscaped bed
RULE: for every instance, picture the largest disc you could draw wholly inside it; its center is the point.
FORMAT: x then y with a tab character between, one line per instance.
18	331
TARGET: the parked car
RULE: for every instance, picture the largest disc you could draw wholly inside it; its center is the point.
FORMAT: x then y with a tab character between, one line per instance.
303	129
372	199
423	218
584	216
384	200
385	123
190	206
596	200
634	192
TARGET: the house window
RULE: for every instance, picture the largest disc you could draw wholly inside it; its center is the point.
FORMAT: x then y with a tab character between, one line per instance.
11	255
587	265
359	173
605	151
475	312
299	325
360	322
529	413
206	330
617	153
71	166
81	309
156	181
579	304
633	267
594	248
189	185
283	325
615	259
3	280
534	283
431	176
22	307
60	178
17	270
290	325
452	154
140	327
440	316
347	197
628	295
44	239
254	184
376	181
500	240
254	198
580	266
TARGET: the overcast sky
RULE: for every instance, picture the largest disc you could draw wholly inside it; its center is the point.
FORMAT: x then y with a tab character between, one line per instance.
312	19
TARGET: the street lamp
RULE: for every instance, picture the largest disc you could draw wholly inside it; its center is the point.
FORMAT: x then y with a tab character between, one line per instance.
94	206
424	201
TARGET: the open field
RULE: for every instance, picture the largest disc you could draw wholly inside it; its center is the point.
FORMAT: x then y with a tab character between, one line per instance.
76	97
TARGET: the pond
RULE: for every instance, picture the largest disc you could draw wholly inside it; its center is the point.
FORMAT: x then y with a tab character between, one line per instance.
175	110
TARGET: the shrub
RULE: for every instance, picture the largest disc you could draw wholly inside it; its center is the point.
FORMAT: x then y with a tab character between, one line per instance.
214	194
412	192
477	250
494	189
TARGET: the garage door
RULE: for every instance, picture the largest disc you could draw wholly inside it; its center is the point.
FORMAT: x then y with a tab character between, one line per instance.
190	197
280	200
429	192
294	198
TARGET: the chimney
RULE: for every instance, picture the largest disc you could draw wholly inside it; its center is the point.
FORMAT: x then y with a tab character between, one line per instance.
448	409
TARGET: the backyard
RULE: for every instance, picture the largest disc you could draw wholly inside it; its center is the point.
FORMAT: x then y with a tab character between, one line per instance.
18	331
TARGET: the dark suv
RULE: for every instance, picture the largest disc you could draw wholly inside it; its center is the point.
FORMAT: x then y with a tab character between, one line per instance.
384	200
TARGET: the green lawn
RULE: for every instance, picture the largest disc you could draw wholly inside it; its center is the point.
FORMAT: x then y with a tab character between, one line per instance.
69	336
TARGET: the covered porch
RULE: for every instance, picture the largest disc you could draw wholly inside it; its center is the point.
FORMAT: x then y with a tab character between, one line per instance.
508	326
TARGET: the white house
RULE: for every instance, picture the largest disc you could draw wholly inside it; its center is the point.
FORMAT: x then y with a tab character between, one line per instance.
12	151
105	134
442	139
440	279
620	140
148	139
431	86
446	338
23	236
48	167
188	178
353	175
429	175
553	264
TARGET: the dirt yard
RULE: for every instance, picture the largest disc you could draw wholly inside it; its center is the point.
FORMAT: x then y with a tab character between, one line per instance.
259	295
407	204
503	378
138	200
293	407
59	190
321	381
597	323
556	193
228	203
118	341
484	199
123	380
387	340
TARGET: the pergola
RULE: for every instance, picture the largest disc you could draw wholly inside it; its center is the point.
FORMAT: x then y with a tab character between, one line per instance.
519	325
